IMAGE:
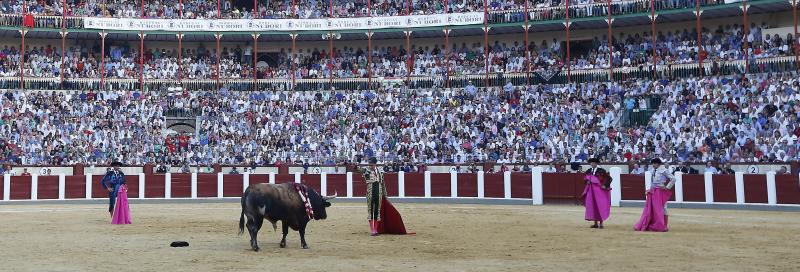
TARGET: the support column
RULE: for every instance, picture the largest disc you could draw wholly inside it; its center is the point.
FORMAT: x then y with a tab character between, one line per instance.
141	57
616	185
22	32
698	14
218	36
485	41
255	56
610	22
745	8
409	56
63	34
369	58
446	57
653	17
527	27
536	186
294	52
103	35
568	62
180	57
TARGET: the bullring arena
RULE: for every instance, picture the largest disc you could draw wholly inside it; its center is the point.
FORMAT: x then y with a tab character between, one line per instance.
504	233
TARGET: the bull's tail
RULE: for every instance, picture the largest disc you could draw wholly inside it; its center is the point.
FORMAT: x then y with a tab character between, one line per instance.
241	217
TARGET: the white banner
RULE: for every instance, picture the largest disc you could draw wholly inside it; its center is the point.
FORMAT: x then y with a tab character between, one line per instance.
224	25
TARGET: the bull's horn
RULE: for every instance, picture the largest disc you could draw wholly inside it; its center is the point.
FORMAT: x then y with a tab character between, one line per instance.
330	197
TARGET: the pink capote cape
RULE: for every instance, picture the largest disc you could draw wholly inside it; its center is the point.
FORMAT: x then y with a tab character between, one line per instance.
596	200
653	214
122	213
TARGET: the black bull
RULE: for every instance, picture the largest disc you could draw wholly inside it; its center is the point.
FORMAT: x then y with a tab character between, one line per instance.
279	202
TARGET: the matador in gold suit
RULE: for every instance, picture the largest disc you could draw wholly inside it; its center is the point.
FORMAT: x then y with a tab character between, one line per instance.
376	191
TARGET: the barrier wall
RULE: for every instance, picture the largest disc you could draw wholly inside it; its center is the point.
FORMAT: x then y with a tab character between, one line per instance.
740	188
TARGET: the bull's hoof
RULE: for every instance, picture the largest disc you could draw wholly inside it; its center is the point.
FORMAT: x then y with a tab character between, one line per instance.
256	248
283	245
305	246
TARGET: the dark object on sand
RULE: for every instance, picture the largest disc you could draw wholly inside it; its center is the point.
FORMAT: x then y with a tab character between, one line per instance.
179	244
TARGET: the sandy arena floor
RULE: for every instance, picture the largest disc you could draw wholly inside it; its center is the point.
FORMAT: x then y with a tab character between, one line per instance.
450	238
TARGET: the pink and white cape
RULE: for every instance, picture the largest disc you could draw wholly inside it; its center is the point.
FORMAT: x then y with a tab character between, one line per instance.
596	200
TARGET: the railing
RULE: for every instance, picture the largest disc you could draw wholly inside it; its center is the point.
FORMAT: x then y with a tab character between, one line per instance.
536	187
684	70
515	15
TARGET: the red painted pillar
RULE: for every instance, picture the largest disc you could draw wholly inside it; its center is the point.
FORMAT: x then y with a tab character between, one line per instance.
180	8
746	30
255	58
255	10
294	48
218	36
180	57
527	51
700	49
446	47
63	33
330	48
369	58
141	58
23	31
486	60
610	22
103	60
653	33
568	62
410	55
219	9
795	43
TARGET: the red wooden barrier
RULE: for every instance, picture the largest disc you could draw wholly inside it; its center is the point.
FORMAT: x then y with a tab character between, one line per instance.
132	181
724	188
231	185
313	181
391	184
467	185
258	178
2	187
97	188
788	189
207	185
632	187
284	178
181	185
415	184
493	185
337	183
20	188
755	189
359	185
561	187
440	184
154	186
47	187
694	188
74	187
521	185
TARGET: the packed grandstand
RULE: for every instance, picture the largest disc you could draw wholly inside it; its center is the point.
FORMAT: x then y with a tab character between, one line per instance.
700	82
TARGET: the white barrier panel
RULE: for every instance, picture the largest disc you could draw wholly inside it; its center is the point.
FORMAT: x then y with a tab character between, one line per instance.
168	185
507	184
401	184
323	183
427	176
648	180
616	185
194	185
739	187
219	185
536	187
62	181
34	187
772	198
453	184
678	187
88	186
709	184
245	181
141	185
481	191
6	187
271	178
297	177
349	184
